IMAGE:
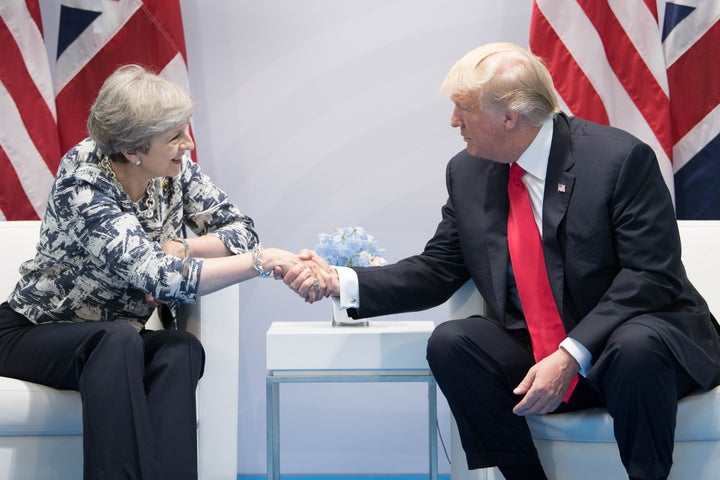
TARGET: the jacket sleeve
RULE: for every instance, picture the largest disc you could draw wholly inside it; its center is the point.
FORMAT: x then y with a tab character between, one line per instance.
208	210
418	282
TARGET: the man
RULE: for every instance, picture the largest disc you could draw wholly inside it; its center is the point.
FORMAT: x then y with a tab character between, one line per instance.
628	321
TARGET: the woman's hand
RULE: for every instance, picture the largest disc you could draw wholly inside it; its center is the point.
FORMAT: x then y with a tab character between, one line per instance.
272	258
174	248
312	281
152	301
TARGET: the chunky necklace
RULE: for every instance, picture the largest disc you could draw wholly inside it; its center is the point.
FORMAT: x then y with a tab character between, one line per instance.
150	192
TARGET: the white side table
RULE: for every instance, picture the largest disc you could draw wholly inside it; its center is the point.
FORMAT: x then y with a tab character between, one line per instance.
385	351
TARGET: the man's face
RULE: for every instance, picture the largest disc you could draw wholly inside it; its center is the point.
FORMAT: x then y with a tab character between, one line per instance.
481	128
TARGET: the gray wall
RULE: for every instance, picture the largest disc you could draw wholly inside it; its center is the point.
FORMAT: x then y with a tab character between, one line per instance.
314	114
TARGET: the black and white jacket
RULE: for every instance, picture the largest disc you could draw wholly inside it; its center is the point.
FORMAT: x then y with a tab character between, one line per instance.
99	253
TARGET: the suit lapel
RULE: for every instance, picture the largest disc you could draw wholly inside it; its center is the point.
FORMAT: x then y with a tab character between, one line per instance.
559	184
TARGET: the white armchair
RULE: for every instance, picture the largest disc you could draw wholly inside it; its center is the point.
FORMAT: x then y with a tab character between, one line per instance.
41	428
581	444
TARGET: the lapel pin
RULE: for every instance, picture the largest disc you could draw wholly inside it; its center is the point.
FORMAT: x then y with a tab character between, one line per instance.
561	188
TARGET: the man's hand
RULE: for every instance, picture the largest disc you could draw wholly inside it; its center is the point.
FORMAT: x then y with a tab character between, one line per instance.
546	384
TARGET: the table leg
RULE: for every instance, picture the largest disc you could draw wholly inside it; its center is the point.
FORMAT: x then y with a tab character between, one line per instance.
272	395
272	412
432	427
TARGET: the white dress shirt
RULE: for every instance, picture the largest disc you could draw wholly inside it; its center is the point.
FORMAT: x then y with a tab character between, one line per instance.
534	161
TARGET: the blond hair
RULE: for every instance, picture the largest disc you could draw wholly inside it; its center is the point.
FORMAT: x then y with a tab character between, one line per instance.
504	76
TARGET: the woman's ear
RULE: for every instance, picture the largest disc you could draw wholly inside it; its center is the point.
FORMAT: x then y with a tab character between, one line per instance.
132	157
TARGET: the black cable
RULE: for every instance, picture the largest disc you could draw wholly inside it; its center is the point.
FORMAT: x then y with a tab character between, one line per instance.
437	424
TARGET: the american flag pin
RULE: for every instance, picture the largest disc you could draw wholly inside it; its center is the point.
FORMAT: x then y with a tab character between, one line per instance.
561	188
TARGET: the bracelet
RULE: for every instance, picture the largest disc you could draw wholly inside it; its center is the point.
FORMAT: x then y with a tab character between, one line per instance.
257	262
185	244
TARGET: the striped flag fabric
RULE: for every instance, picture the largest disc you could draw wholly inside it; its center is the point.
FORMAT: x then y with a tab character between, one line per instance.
648	67
97	37
29	146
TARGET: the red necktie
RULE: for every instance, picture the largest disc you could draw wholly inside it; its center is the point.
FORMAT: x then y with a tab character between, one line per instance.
528	262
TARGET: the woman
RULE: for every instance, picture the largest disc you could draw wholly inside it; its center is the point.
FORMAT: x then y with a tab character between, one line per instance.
111	250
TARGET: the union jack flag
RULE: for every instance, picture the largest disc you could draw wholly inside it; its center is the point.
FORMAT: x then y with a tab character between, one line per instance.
648	67
97	37
29	147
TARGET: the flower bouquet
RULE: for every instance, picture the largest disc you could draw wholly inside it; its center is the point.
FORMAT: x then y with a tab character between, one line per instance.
349	247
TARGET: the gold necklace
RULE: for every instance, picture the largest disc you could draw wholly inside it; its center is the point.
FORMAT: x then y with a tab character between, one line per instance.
150	192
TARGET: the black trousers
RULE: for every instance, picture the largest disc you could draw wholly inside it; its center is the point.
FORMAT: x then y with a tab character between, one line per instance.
137	390
477	364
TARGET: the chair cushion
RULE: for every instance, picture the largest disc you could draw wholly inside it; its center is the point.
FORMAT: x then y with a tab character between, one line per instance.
32	409
698	419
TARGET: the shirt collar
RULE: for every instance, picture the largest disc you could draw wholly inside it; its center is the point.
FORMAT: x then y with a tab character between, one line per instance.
534	159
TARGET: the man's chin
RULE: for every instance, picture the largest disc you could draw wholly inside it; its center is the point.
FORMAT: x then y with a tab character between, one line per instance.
471	152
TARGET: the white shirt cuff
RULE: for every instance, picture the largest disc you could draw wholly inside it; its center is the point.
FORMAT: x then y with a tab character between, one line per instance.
349	288
578	351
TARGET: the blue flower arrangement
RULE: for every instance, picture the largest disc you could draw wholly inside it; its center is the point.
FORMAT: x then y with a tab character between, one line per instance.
350	247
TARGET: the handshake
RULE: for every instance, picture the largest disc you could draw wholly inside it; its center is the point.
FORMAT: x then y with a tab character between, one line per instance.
305	273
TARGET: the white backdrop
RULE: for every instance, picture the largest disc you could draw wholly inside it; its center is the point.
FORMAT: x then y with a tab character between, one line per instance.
315	114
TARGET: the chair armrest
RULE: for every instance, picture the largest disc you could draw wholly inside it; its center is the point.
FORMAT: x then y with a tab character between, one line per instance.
214	320
466	301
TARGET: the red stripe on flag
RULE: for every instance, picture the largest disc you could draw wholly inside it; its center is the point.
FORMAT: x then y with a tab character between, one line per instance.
571	82
34	9
652	6
35	114
138	41
14	203
168	18
631	70
694	85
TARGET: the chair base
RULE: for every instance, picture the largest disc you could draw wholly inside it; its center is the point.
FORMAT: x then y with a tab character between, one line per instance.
52	457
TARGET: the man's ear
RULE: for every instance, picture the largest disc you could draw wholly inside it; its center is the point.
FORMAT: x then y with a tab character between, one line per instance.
511	119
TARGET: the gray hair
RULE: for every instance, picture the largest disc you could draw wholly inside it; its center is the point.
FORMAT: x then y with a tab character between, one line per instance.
133	106
504	76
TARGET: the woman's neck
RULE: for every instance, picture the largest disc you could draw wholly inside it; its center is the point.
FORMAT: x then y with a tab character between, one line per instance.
132	179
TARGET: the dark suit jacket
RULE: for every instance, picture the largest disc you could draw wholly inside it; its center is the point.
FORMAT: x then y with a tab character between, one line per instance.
610	238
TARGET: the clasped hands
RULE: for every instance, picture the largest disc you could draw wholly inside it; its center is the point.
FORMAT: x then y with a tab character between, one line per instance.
306	273
310	277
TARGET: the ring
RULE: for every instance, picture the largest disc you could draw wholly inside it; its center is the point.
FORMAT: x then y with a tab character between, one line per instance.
316	284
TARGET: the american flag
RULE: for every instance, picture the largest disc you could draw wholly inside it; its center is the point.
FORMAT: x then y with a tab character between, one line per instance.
648	67
29	147
94	39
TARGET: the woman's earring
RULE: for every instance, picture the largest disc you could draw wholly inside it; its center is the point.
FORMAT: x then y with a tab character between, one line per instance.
137	161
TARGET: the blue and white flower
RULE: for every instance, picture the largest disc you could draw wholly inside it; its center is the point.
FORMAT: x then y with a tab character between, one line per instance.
350	247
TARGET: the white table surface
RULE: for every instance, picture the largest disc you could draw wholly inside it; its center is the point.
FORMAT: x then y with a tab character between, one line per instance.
313	346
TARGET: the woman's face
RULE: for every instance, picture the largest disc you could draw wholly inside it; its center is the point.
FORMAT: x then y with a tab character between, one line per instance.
164	156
